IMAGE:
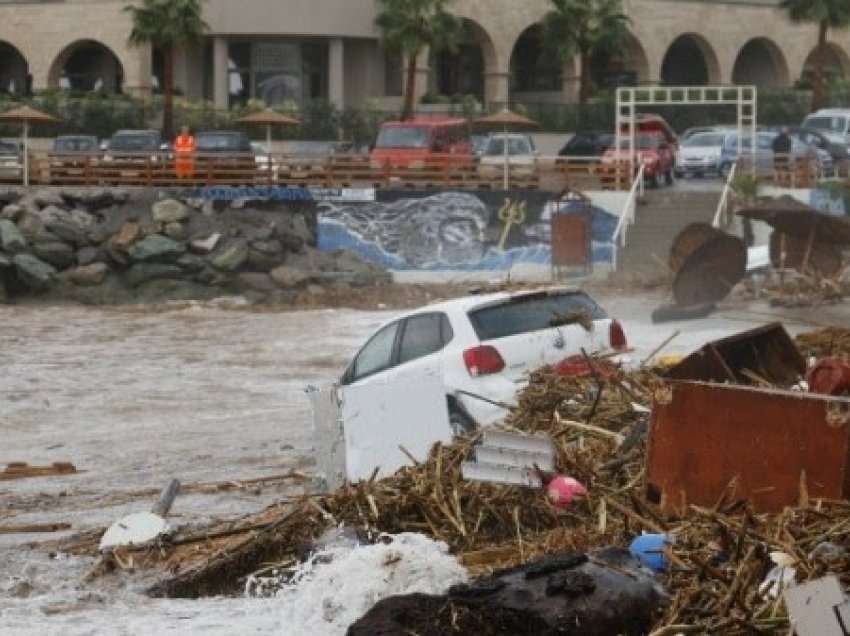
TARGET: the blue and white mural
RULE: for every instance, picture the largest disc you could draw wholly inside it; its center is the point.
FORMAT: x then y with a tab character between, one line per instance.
455	231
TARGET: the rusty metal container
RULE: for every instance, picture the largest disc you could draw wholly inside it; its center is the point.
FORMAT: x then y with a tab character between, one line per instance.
768	440
768	352
707	264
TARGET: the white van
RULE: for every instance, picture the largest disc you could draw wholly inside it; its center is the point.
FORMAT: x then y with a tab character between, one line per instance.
832	123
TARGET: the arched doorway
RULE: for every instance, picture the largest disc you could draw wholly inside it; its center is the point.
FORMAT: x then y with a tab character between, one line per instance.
533	69
627	66
836	64
14	71
760	62
86	66
462	71
690	61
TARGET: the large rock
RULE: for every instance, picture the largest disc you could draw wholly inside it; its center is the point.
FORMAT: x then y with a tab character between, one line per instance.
11	239
127	235
43	198
169	211
81	218
60	255
559	595
33	272
88	275
272	248
256	281
288	277
12	211
69	231
207	245
313	260
5	261
89	255
156	248
90	198
230	257
33	229
176	231
191	262
143	272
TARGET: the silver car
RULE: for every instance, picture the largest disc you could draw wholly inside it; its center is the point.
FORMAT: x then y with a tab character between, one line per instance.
764	159
700	154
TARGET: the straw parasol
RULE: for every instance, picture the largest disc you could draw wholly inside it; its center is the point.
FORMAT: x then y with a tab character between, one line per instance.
506	120
268	118
26	115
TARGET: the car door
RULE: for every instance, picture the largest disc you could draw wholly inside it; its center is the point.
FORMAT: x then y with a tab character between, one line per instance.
390	409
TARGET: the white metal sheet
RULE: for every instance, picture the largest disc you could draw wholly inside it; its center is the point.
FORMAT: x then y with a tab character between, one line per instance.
328	440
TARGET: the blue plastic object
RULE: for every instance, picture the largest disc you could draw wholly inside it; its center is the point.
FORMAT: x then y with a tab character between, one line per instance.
649	550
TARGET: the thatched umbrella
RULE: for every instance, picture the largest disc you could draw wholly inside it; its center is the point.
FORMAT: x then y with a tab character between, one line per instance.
506	120
26	115
268	118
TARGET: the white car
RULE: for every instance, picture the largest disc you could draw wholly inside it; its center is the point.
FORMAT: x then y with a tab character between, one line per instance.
450	367
522	157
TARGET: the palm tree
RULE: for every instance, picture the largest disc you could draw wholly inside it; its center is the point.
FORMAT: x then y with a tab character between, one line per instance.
167	24
585	28
408	27
826	14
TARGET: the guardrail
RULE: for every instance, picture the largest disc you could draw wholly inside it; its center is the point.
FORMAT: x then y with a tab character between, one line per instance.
720	216
627	216
157	169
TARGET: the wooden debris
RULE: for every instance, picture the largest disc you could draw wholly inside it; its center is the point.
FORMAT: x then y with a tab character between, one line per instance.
35	527
22	470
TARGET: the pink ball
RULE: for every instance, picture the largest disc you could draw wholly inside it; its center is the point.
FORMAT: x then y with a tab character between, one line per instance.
562	490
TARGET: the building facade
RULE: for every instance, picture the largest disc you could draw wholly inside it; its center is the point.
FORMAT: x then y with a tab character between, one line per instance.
297	50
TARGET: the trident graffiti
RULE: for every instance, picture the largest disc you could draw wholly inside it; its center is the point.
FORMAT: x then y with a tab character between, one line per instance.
512	213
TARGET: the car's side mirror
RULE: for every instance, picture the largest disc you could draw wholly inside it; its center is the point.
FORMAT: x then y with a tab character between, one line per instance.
104	145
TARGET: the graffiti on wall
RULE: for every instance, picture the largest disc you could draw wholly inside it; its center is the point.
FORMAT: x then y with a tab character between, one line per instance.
483	230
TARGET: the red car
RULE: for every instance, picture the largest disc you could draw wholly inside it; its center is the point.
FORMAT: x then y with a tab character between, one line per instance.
653	150
422	143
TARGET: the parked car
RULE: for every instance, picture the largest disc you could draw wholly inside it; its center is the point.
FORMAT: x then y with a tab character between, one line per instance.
129	154
478	144
481	347
587	145
834	123
838	152
522	156
700	154
764	156
650	123
653	150
71	156
11	161
135	142
422	142
226	156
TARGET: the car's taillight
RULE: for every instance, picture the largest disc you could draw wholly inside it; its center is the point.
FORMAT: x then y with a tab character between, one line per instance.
616	336
483	360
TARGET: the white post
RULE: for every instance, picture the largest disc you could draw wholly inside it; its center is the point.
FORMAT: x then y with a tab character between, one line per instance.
507	180
269	141
26	155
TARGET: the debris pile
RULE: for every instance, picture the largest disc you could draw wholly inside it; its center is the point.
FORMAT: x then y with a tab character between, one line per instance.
723	565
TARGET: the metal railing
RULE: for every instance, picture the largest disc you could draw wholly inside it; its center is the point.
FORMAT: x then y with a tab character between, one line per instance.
723	205
627	216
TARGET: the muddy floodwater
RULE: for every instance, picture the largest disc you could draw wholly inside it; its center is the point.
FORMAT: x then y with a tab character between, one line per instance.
198	392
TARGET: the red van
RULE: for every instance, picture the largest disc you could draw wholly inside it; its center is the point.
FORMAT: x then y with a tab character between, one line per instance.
422	142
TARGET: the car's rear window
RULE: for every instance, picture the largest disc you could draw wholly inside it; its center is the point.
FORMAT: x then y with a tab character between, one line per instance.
134	142
220	142
533	312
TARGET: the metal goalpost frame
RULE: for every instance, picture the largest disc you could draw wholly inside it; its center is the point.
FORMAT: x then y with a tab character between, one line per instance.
629	99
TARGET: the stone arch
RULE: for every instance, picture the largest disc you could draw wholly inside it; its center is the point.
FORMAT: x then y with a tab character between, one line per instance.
464	70
627	66
761	62
87	65
836	63
532	69
14	70
690	61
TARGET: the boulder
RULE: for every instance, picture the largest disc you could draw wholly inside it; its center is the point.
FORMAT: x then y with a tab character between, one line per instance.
89	198
191	262
256	281
5	261
262	262
11	239
143	272
88	255
230	257
12	211
272	248
69	231
8	195
33	229
288	277
607	592
176	231
33	272
88	275
156	248
169	211
206	245
81	218
44	198
298	227
60	255
127	235
312	259
51	214
349	262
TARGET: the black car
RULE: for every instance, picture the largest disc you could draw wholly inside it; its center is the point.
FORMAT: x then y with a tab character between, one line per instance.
75	143
587	144
225	156
222	141
71	157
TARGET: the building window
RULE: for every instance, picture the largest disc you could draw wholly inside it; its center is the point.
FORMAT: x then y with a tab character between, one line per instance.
277	71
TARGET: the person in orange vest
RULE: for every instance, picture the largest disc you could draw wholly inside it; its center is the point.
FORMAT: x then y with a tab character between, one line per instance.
184	151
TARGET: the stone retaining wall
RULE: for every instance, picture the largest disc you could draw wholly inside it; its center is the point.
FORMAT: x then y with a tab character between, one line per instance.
109	246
